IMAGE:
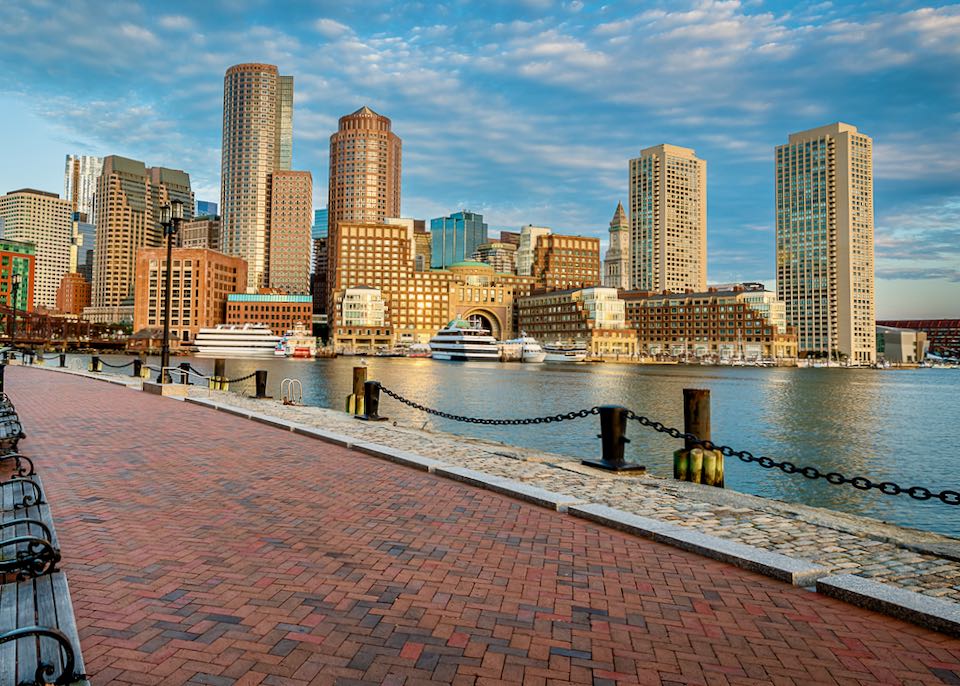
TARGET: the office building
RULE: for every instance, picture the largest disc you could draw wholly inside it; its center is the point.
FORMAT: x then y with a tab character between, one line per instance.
422	249
362	321
17	258
282	312
510	237
319	228
73	294
201	281
80	184
594	317
456	238
901	346
200	232
565	262
318	279
529	235
257	141
291	215
668	220
499	255
616	263
83	242
824	215
129	196
943	334
43	219
205	208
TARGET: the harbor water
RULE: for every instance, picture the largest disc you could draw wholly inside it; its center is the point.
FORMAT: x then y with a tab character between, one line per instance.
892	425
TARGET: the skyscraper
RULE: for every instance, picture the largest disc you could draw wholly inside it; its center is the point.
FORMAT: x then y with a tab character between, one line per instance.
529	235
80	183
319	228
257	141
616	263
43	219
668	220
205	208
456	238
291	212
129	195
825	240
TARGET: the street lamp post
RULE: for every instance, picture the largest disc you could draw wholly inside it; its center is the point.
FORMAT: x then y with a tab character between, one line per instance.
15	287
170	217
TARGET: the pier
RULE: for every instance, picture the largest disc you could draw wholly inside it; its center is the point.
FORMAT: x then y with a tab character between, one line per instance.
203	547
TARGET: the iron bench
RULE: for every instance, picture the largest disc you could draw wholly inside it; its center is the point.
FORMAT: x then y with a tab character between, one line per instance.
28	541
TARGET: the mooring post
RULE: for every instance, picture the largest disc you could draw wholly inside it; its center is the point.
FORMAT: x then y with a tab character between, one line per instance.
261	383
371	402
137	367
95	363
219	373
3	368
355	400
694	462
63	360
185	373
613	439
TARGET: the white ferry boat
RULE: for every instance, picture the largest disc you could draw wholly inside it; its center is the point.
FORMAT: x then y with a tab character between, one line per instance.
298	342
234	340
530	350
565	352
460	340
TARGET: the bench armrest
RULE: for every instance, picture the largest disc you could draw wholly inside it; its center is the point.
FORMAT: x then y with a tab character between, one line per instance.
29	499
30	522
18	464
39	558
46	671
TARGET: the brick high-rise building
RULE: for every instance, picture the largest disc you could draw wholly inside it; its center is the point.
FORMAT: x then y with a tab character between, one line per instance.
129	195
291	217
668	220
43	219
73	294
563	262
257	141
200	232
824	191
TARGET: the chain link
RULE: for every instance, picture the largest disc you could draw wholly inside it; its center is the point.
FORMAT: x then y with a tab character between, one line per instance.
861	483
242	378
549	419
116	366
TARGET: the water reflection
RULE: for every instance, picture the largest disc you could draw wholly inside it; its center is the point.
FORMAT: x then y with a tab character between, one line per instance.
901	426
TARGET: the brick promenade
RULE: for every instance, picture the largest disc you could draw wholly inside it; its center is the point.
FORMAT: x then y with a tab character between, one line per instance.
203	548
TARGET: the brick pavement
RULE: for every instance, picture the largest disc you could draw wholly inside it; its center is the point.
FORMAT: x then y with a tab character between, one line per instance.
202	548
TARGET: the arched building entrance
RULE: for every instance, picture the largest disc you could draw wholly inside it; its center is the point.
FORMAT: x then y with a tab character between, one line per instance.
487	319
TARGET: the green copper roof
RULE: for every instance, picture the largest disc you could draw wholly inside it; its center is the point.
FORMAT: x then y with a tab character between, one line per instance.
469	263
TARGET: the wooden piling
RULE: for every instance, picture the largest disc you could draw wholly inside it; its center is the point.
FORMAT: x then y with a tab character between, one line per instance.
355	399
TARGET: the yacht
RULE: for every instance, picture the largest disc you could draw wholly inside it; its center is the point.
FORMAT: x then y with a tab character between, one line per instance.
530	350
299	343
565	352
236	340
461	340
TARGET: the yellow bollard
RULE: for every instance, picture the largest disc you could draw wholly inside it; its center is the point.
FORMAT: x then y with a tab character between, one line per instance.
681	465
696	465
709	467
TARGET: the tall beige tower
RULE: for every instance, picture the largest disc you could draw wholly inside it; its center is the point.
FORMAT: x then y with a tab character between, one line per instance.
129	195
824	190
616	263
257	141
668	220
43	219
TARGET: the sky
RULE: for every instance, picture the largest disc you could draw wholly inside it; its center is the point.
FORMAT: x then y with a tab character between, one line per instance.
526	111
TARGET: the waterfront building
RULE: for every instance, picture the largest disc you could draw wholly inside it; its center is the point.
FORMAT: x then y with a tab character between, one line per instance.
901	346
17	257
422	249
80	175
205	208
594	317
824	215
616	263
721	324
200	232
43	219
318	280
943	334
201	281
290	222
564	262
362	321
668	220
73	295
529	235
510	237
456	238
501	256
319	228
121	314
257	141
129	195
83	242
282	312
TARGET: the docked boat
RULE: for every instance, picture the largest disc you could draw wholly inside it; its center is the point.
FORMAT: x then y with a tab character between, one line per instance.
565	352
530	350
235	340
299	343
461	340
418	350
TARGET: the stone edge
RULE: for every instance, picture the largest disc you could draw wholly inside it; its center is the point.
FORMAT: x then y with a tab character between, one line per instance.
931	613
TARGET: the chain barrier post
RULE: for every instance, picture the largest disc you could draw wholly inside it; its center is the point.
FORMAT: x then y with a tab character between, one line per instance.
3	368
185	373
261	384
219	373
371	402
137	367
95	364
63	360
354	404
613	439
694	462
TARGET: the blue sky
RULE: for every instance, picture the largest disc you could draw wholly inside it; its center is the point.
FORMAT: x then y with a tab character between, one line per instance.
526	111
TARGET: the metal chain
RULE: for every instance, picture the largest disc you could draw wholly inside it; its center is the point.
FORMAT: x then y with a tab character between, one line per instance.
861	483
549	419
242	378
116	366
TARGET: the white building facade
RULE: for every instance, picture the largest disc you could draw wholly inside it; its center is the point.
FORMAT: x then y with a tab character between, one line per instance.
616	263
528	246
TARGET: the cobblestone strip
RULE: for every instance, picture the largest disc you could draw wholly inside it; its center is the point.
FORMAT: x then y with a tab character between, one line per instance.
843	544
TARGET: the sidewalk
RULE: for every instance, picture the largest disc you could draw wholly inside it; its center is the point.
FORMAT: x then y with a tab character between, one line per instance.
206	548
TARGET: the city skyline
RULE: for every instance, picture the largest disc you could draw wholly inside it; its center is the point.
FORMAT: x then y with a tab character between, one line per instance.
548	107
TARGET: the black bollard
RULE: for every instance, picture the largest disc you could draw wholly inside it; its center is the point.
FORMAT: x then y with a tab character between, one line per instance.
613	438
137	367
63	360
261	383
95	364
185	372
3	368
6	359
219	373
371	402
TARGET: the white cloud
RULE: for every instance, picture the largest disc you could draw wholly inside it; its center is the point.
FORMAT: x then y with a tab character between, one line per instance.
331	28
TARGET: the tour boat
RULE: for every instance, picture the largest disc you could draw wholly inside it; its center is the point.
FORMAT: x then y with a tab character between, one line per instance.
299	342
460	340
236	340
530	350
418	350
565	352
